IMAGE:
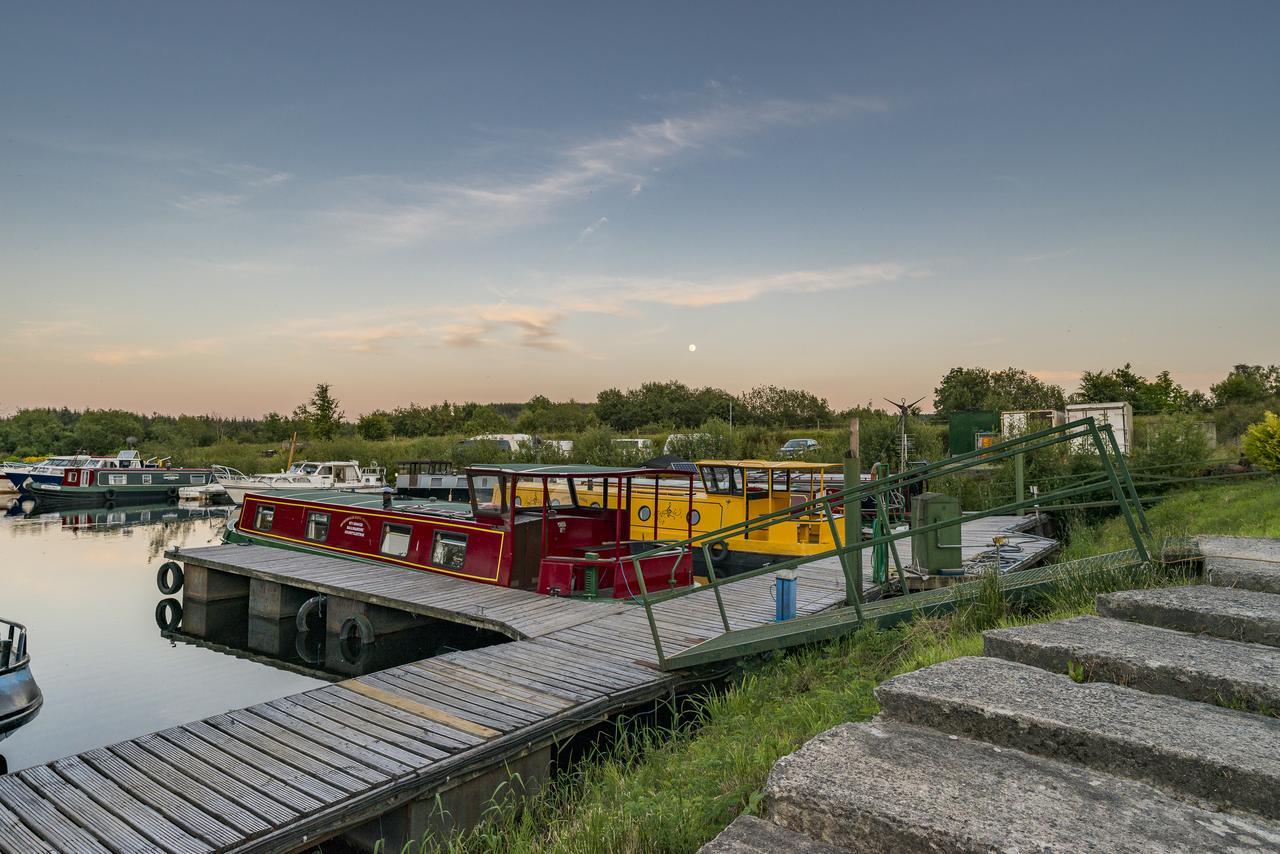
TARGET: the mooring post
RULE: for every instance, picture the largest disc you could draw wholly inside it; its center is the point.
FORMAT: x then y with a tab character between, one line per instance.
1019	475
853	516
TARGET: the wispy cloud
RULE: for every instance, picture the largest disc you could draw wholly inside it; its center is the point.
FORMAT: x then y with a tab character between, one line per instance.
400	212
592	229
137	355
1044	256
206	202
617	295
500	324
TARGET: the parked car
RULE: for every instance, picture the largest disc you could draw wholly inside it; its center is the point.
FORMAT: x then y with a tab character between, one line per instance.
795	447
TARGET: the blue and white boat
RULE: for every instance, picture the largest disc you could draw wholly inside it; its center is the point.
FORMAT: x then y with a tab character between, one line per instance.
50	471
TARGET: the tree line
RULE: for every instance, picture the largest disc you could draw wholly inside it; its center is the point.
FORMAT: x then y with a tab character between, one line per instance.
1236	401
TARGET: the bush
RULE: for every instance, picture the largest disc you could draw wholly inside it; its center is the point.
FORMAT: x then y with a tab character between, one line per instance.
1261	443
1169	446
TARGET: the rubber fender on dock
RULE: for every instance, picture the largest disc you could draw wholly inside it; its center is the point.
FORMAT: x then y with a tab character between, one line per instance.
355	638
315	605
168	614
169	577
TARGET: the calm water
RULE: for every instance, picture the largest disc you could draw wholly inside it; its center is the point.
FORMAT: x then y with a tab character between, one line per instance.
83	582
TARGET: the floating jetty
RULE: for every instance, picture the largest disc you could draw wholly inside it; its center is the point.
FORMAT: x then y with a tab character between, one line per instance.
403	751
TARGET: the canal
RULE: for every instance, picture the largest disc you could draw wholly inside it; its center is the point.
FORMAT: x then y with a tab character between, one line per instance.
83	582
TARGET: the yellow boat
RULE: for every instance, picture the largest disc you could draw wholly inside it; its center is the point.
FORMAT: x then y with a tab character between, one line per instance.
732	491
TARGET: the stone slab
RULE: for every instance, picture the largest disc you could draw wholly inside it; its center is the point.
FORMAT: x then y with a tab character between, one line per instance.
1225	612
1159	661
890	786
750	835
1222	755
1260	575
1245	548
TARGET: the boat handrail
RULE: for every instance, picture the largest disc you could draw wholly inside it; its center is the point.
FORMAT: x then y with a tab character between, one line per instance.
13	647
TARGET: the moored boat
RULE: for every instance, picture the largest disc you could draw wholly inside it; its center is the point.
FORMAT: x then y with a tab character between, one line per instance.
107	487
582	545
51	470
331	474
20	696
430	479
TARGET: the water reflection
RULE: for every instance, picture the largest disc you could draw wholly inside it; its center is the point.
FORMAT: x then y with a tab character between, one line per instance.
83	582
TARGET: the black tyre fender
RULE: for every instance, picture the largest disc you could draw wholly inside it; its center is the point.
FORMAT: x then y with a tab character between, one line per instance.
315	605
168	614
169	577
173	492
110	494
718	550
354	638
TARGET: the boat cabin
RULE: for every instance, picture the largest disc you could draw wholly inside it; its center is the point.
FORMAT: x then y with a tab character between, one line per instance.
430	479
559	530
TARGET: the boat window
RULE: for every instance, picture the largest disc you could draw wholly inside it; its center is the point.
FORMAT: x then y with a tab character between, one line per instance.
395	540
448	549
488	494
325	471
117	479
722	480
264	517
146	478
318	527
529	492
197	478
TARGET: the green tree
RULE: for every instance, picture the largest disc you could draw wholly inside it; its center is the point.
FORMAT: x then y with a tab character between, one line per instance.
102	431
774	406
32	432
1011	389
321	414
1169	446
375	426
484	419
1125	385
1246	384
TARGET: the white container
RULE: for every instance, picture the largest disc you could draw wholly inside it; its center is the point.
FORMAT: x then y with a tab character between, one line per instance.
1118	415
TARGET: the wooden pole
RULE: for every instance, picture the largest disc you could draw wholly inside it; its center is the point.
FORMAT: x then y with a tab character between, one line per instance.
852	518
292	444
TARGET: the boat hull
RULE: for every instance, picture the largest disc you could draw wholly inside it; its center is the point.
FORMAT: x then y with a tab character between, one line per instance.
53	498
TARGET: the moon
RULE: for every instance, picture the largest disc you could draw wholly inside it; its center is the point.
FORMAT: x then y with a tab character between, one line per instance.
693	347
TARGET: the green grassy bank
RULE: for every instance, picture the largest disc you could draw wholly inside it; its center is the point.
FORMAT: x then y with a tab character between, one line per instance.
670	789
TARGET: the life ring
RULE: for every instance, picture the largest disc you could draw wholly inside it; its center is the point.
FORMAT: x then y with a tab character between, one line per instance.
315	605
354	639
110	494
169	577
168	614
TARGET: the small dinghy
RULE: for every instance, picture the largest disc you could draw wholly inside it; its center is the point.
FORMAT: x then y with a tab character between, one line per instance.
20	697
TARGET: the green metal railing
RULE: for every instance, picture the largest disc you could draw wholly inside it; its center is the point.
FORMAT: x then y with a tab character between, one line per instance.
1114	478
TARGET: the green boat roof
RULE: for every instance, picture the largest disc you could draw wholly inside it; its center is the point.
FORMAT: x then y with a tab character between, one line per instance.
368	500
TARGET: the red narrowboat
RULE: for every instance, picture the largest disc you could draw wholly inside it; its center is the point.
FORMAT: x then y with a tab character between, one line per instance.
569	531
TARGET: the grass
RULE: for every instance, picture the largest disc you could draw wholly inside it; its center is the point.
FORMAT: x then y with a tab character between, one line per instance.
1246	508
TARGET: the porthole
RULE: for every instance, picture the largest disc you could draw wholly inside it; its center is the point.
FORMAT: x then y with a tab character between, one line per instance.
519	501
694	517
555	502
644	513
595	504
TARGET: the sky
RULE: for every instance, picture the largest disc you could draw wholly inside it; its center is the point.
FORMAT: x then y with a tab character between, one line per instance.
213	207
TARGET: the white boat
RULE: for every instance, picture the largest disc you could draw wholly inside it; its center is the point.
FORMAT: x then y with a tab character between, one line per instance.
333	474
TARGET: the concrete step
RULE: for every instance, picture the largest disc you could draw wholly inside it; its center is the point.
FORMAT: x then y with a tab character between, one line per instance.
1242	548
890	786
1158	661
1260	575
750	835
1225	612
1222	755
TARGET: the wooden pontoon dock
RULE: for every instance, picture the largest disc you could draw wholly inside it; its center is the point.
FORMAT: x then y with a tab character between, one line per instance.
399	752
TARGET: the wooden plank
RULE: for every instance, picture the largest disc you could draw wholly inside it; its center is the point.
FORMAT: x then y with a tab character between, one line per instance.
178	807
44	818
305	748
276	758
394	681
478	680
252	811
113	832
337	712
360	746
461	696
392	699
16	837
242	772
437	735
138	815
